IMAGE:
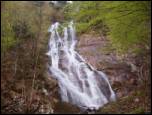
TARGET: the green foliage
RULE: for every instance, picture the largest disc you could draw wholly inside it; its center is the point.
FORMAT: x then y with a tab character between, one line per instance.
126	23
86	15
22	20
7	34
129	26
81	27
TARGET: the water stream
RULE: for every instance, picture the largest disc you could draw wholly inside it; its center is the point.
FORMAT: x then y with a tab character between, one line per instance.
80	84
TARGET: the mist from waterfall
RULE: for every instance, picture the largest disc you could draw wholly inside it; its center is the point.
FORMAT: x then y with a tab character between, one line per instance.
79	83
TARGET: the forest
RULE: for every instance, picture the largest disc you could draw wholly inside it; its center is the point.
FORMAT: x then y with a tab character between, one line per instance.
112	36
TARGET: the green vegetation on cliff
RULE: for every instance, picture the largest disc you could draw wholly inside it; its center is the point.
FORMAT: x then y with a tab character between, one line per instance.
126	24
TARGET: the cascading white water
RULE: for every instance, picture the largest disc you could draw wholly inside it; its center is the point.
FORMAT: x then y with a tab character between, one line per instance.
79	82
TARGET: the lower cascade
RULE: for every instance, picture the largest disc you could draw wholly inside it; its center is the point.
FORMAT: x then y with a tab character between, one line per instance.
79	83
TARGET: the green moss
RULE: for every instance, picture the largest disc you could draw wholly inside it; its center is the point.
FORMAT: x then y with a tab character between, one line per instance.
139	110
123	105
81	27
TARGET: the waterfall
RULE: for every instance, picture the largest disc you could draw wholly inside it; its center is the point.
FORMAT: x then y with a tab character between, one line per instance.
79	83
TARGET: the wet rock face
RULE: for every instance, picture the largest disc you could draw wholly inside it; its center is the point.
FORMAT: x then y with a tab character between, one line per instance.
80	84
121	72
104	87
